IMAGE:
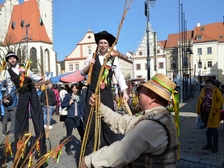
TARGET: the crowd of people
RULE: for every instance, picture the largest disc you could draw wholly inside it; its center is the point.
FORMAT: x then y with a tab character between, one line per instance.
150	137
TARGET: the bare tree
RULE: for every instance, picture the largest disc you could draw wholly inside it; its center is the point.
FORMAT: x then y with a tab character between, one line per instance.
11	44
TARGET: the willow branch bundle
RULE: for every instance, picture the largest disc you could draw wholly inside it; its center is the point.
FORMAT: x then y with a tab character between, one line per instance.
91	69
6	150
21	150
31	151
97	92
51	153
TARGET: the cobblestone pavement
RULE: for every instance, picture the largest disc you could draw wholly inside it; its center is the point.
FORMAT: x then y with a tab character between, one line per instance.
191	141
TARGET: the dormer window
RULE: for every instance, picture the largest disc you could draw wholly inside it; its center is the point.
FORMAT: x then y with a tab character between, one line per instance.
13	25
202	29
22	23
41	21
199	37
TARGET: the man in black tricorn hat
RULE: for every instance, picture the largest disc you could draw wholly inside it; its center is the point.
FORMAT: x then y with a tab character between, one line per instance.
104	41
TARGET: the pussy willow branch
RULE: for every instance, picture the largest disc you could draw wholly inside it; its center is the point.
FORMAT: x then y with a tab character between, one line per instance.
97	91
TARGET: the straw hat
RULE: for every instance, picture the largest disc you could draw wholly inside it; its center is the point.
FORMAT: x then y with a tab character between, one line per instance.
104	35
161	85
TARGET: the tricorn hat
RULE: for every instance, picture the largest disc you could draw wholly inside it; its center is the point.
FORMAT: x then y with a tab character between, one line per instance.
161	85
104	35
10	54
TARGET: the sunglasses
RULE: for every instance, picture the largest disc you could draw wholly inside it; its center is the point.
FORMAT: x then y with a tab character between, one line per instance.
140	89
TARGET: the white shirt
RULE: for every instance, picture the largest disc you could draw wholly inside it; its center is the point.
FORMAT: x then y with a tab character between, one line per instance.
117	70
10	83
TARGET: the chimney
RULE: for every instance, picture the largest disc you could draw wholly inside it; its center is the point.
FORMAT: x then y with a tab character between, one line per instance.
198	24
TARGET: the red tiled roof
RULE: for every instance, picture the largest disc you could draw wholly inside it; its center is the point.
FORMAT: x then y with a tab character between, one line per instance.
162	43
1	5
210	32
30	13
172	40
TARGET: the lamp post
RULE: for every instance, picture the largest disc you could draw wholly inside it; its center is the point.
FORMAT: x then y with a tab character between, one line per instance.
152	3
199	67
189	51
205	71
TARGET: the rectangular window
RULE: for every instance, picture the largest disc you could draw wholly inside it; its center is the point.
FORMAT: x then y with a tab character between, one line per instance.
161	65
199	37
146	67
70	67
185	61
199	51
76	67
199	64
139	76
138	66
140	53
209	50
173	64
209	63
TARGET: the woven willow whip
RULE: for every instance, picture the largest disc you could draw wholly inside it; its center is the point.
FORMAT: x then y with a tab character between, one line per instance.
97	93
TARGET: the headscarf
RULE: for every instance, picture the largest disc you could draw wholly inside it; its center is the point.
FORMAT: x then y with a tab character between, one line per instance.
62	94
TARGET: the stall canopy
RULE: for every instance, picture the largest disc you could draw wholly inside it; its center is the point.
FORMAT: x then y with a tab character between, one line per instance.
73	77
56	79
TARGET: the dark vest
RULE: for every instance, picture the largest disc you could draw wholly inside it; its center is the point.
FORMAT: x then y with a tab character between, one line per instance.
27	84
95	74
169	157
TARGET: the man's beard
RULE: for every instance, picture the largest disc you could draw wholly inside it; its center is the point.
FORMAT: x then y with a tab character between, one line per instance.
13	65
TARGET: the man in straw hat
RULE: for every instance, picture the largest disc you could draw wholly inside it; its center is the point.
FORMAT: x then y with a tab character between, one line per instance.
27	95
150	136
104	41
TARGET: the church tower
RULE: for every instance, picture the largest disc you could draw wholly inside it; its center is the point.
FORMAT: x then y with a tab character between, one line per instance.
46	13
5	16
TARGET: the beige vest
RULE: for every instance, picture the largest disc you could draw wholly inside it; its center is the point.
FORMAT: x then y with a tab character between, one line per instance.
168	158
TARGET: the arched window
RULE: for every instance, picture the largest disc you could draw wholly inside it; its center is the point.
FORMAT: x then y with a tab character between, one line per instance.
46	61
33	58
19	55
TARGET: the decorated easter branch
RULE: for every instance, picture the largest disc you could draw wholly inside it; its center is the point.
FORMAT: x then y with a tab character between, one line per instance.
97	93
27	158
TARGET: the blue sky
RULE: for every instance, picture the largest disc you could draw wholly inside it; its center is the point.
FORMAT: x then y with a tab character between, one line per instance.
73	18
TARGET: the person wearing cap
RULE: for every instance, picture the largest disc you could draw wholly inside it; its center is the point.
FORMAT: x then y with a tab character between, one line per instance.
27	95
104	40
208	108
150	136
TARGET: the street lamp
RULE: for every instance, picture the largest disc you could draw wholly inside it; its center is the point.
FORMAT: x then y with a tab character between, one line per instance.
189	51
205	70
152	3
199	67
